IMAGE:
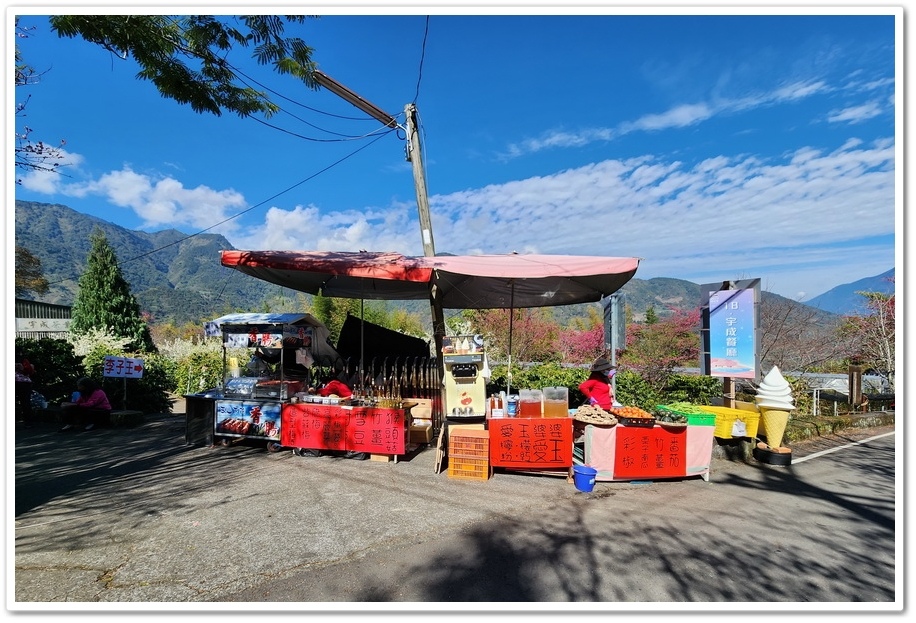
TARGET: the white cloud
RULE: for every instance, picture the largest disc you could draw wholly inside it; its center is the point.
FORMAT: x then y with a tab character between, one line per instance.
311	229
49	182
679	116
799	90
164	201
855	114
556	138
801	214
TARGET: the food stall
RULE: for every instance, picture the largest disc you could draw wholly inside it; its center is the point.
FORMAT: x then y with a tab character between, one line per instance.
266	398
671	443
499	281
268	360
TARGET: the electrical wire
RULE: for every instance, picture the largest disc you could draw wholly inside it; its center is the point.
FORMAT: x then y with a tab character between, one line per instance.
297	103
287	112
255	206
271	198
346	138
422	57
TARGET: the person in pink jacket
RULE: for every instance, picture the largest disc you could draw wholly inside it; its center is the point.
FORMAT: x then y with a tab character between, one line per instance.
90	408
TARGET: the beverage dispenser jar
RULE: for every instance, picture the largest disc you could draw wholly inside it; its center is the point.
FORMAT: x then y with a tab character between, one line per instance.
530	403
556	402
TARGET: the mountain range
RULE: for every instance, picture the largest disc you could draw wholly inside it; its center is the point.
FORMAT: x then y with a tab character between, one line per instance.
178	278
845	299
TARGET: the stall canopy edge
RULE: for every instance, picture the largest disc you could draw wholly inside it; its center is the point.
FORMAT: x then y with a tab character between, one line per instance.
463	281
363	274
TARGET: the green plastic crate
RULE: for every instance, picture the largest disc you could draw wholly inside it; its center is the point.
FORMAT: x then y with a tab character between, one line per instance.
693	419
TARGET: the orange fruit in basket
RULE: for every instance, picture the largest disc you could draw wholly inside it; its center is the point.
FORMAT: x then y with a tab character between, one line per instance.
635	413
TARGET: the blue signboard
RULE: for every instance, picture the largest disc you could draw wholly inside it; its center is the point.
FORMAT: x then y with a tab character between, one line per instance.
733	333
248	418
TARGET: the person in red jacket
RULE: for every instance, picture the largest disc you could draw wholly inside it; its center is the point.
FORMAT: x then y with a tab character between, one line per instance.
91	407
336	387
597	388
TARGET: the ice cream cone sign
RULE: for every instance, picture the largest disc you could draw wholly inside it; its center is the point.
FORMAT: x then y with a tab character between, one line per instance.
775	402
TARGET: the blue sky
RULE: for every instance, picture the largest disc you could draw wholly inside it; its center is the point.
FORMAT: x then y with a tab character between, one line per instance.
711	146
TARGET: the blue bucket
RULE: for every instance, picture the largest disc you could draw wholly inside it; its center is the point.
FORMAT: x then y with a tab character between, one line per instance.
584	477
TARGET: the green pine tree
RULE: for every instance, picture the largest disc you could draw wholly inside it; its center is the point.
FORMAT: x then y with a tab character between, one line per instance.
104	299
651	316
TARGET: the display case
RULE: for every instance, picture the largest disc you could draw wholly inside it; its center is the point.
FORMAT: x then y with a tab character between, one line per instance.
268	361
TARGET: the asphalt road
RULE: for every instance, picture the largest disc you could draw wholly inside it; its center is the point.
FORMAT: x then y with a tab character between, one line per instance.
134	518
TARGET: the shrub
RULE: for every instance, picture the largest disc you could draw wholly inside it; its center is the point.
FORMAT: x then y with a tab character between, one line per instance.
57	366
148	393
634	390
698	389
198	364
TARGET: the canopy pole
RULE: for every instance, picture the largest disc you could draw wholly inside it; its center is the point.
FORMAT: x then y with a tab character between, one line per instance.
362	342
511	319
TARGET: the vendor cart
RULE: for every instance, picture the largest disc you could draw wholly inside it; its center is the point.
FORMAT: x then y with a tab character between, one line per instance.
268	360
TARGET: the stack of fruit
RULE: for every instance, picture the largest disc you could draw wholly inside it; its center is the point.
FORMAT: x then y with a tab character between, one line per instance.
667	416
634	416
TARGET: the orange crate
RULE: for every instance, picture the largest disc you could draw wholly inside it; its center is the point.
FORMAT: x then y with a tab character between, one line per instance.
469	443
469	469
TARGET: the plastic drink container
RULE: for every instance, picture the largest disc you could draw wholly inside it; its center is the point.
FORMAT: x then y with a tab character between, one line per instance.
530	403
556	402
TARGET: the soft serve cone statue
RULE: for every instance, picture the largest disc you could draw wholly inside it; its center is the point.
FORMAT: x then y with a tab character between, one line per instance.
775	401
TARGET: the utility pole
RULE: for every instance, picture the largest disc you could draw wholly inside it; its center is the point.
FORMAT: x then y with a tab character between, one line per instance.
413	149
426	231
415	157
416	160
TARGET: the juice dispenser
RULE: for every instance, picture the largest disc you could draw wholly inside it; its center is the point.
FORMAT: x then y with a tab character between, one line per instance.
465	386
556	402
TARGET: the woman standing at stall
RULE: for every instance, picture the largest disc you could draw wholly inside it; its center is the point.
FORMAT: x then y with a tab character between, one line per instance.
597	387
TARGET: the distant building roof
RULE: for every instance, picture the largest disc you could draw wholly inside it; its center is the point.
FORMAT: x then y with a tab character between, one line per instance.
35	319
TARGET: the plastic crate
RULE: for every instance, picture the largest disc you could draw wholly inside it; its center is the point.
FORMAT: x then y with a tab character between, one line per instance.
701	419
464	468
469	443
751	422
693	419
726	417
724	423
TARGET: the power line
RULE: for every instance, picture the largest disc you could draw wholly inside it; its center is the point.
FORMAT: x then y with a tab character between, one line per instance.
251	81
255	206
297	103
271	198
321	140
422	56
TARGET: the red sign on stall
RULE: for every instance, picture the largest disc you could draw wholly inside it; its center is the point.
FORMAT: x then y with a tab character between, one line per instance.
377	430
531	443
331	427
657	452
